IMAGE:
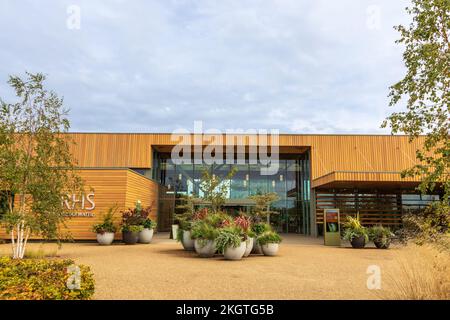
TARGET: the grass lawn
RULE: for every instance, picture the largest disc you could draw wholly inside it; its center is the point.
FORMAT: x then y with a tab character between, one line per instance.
304	269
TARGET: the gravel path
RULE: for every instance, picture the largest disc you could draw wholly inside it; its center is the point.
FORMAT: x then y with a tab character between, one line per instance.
304	269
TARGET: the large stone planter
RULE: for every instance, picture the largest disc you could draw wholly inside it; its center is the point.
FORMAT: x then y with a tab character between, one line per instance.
249	246
129	237
270	249
205	248
256	248
105	238
146	236
235	253
187	241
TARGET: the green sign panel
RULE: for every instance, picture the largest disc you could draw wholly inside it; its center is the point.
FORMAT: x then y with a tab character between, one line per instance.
332	230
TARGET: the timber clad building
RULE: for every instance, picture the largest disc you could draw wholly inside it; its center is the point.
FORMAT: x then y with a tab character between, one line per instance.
356	173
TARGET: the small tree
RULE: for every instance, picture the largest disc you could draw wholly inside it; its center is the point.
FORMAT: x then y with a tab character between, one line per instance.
262	207
426	88
36	166
215	188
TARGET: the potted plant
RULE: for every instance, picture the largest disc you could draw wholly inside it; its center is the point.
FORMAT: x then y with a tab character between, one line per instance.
258	229
245	224
105	231
229	242
184	234
146	234
204	235
355	232
380	236
130	233
269	242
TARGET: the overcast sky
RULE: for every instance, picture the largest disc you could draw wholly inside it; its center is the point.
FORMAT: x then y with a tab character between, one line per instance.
154	66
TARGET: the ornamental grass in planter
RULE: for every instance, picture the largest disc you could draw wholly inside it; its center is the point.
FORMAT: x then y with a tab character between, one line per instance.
380	236
355	232
204	235
269	242
106	229
146	234
230	243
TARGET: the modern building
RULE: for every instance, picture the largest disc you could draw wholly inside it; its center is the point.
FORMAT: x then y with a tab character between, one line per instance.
355	173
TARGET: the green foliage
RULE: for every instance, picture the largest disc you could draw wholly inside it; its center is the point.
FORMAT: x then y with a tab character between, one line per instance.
380	234
149	224
134	220
215	189
202	229
262	206
354	229
426	88
260	228
229	237
268	237
108	222
36	165
31	279
132	228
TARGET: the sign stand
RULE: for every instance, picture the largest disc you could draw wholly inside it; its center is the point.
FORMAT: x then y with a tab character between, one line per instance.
332	227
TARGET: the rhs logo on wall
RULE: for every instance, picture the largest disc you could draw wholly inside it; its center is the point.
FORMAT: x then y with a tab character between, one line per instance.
85	203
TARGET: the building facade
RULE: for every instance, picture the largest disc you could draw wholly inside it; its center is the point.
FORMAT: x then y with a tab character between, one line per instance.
355	173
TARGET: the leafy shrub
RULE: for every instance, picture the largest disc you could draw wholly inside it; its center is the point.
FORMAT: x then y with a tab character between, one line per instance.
353	229
381	234
268	237
259	228
108	223
201	229
132	228
31	279
149	224
228	237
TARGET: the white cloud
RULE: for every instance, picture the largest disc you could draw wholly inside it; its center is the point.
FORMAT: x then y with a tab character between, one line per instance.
299	66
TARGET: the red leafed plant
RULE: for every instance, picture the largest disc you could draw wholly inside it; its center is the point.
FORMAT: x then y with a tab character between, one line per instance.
243	222
201	214
225	223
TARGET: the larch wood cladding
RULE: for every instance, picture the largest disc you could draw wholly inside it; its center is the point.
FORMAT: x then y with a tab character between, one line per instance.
122	187
329	153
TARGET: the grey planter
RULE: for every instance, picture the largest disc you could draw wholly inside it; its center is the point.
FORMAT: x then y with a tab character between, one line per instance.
256	248
187	241
146	236
205	248
129	237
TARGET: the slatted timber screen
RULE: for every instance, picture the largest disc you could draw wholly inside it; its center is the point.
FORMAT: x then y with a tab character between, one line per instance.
373	208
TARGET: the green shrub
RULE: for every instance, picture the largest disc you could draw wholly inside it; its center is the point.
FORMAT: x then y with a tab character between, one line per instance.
42	279
149	224
353	229
260	228
132	228
228	237
268	237
380	234
201	229
107	224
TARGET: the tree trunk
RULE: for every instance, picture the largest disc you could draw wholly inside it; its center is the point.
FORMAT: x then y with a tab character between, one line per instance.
19	240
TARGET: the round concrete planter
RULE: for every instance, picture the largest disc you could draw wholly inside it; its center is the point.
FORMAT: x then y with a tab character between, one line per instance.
187	241
205	248
146	235
235	253
270	249
174	231
256	248
249	246
105	239
129	237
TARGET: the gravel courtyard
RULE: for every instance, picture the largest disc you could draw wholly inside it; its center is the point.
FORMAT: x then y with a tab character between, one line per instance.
304	269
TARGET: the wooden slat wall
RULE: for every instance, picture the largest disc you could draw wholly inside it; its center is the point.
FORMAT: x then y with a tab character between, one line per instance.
328	152
111	186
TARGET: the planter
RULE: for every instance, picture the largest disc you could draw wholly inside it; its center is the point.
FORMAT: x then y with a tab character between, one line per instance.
235	253
358	242
205	248
174	231
146	235
380	245
129	237
187	241
105	238
249	246
270	249
256	248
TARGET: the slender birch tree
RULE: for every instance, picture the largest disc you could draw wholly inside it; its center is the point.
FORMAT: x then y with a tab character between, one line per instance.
36	165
